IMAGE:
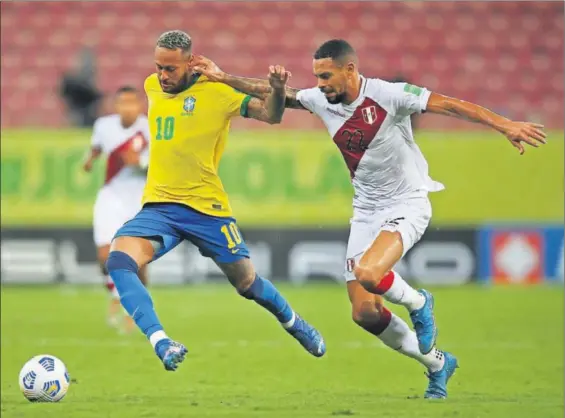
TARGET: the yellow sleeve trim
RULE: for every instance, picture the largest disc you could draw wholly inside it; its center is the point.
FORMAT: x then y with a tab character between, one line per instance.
243	110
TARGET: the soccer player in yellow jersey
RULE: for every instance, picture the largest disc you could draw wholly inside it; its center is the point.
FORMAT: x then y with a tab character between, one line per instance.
184	199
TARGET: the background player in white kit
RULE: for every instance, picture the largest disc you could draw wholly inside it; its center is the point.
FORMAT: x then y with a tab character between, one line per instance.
123	138
369	120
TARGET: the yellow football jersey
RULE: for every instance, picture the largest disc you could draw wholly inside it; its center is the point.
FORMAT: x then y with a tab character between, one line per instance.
188	136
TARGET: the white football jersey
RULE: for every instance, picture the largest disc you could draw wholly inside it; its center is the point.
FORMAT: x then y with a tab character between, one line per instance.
374	135
112	138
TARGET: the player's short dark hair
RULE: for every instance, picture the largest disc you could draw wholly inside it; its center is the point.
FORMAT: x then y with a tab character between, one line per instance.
126	89
175	39
336	49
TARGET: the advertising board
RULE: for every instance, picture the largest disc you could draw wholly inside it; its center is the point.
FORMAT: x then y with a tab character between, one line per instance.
520	254
442	257
277	179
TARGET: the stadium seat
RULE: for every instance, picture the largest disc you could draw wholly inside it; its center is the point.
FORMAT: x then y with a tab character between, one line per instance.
474	49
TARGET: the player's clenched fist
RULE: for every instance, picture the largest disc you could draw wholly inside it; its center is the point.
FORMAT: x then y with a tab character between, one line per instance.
278	76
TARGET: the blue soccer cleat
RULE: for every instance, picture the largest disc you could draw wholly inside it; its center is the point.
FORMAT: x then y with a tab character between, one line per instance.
425	323
308	337
437	388
171	353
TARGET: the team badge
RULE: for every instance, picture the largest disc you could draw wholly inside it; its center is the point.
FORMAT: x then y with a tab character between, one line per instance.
189	104
369	114
350	264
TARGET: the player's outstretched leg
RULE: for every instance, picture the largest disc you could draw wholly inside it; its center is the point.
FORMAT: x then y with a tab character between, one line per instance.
129	322
242	276
440	364
419	303
437	387
375	274
372	316
135	298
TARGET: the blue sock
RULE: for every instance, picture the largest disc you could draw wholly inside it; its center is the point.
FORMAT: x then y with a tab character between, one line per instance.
134	296
265	294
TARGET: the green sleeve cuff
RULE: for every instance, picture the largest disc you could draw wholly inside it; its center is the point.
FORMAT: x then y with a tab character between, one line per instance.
243	110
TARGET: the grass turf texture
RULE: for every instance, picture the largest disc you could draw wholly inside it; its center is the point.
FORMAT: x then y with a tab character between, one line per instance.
509	342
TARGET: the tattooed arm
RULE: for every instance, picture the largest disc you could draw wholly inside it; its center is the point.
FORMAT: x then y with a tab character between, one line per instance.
252	86
269	110
515	132
270	107
260	88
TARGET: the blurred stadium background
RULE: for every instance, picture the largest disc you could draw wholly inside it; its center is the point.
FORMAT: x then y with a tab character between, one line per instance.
499	222
61	62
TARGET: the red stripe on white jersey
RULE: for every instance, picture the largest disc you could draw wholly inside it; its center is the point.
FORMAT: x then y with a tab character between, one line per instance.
355	135
115	162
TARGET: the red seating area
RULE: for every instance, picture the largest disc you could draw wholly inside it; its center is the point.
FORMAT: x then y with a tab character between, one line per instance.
505	55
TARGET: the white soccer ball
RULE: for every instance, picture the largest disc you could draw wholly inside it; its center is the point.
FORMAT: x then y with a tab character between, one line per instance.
44	378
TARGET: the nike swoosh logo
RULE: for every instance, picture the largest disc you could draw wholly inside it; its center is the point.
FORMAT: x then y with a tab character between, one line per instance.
235	251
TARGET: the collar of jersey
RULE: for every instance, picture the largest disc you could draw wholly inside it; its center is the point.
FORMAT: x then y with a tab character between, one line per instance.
191	83
360	98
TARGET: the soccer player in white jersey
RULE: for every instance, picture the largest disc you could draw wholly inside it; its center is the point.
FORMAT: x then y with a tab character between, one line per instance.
123	138
369	121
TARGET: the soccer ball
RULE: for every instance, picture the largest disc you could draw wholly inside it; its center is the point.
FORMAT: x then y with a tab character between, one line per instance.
44	378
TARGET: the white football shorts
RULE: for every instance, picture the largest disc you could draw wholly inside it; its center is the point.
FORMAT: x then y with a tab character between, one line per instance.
410	218
111	210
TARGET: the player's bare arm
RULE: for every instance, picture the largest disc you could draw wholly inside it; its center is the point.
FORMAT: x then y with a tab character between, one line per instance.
93	154
271	108
516	132
260	88
255	87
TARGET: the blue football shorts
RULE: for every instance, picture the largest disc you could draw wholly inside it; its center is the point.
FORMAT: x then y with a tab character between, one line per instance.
170	223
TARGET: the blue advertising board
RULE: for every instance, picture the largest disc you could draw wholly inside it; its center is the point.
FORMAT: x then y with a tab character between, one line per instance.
520	254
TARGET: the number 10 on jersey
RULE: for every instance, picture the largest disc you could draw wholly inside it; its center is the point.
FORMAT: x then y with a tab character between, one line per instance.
165	128
232	235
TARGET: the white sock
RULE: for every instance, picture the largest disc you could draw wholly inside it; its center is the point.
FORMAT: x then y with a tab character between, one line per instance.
156	337
289	324
397	291
401	338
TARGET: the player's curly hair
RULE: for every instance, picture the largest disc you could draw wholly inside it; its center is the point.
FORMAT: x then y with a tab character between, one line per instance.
175	39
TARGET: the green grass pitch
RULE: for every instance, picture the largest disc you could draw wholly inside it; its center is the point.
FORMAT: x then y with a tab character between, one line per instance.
509	342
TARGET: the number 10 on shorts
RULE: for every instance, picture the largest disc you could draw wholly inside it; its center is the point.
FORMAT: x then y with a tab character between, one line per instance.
232	234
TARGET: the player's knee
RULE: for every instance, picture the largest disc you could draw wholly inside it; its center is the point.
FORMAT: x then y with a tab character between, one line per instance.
369	276
243	282
118	260
240	274
364	276
365	314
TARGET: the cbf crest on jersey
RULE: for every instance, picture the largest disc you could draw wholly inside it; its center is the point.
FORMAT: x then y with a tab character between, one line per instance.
369	114
189	104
